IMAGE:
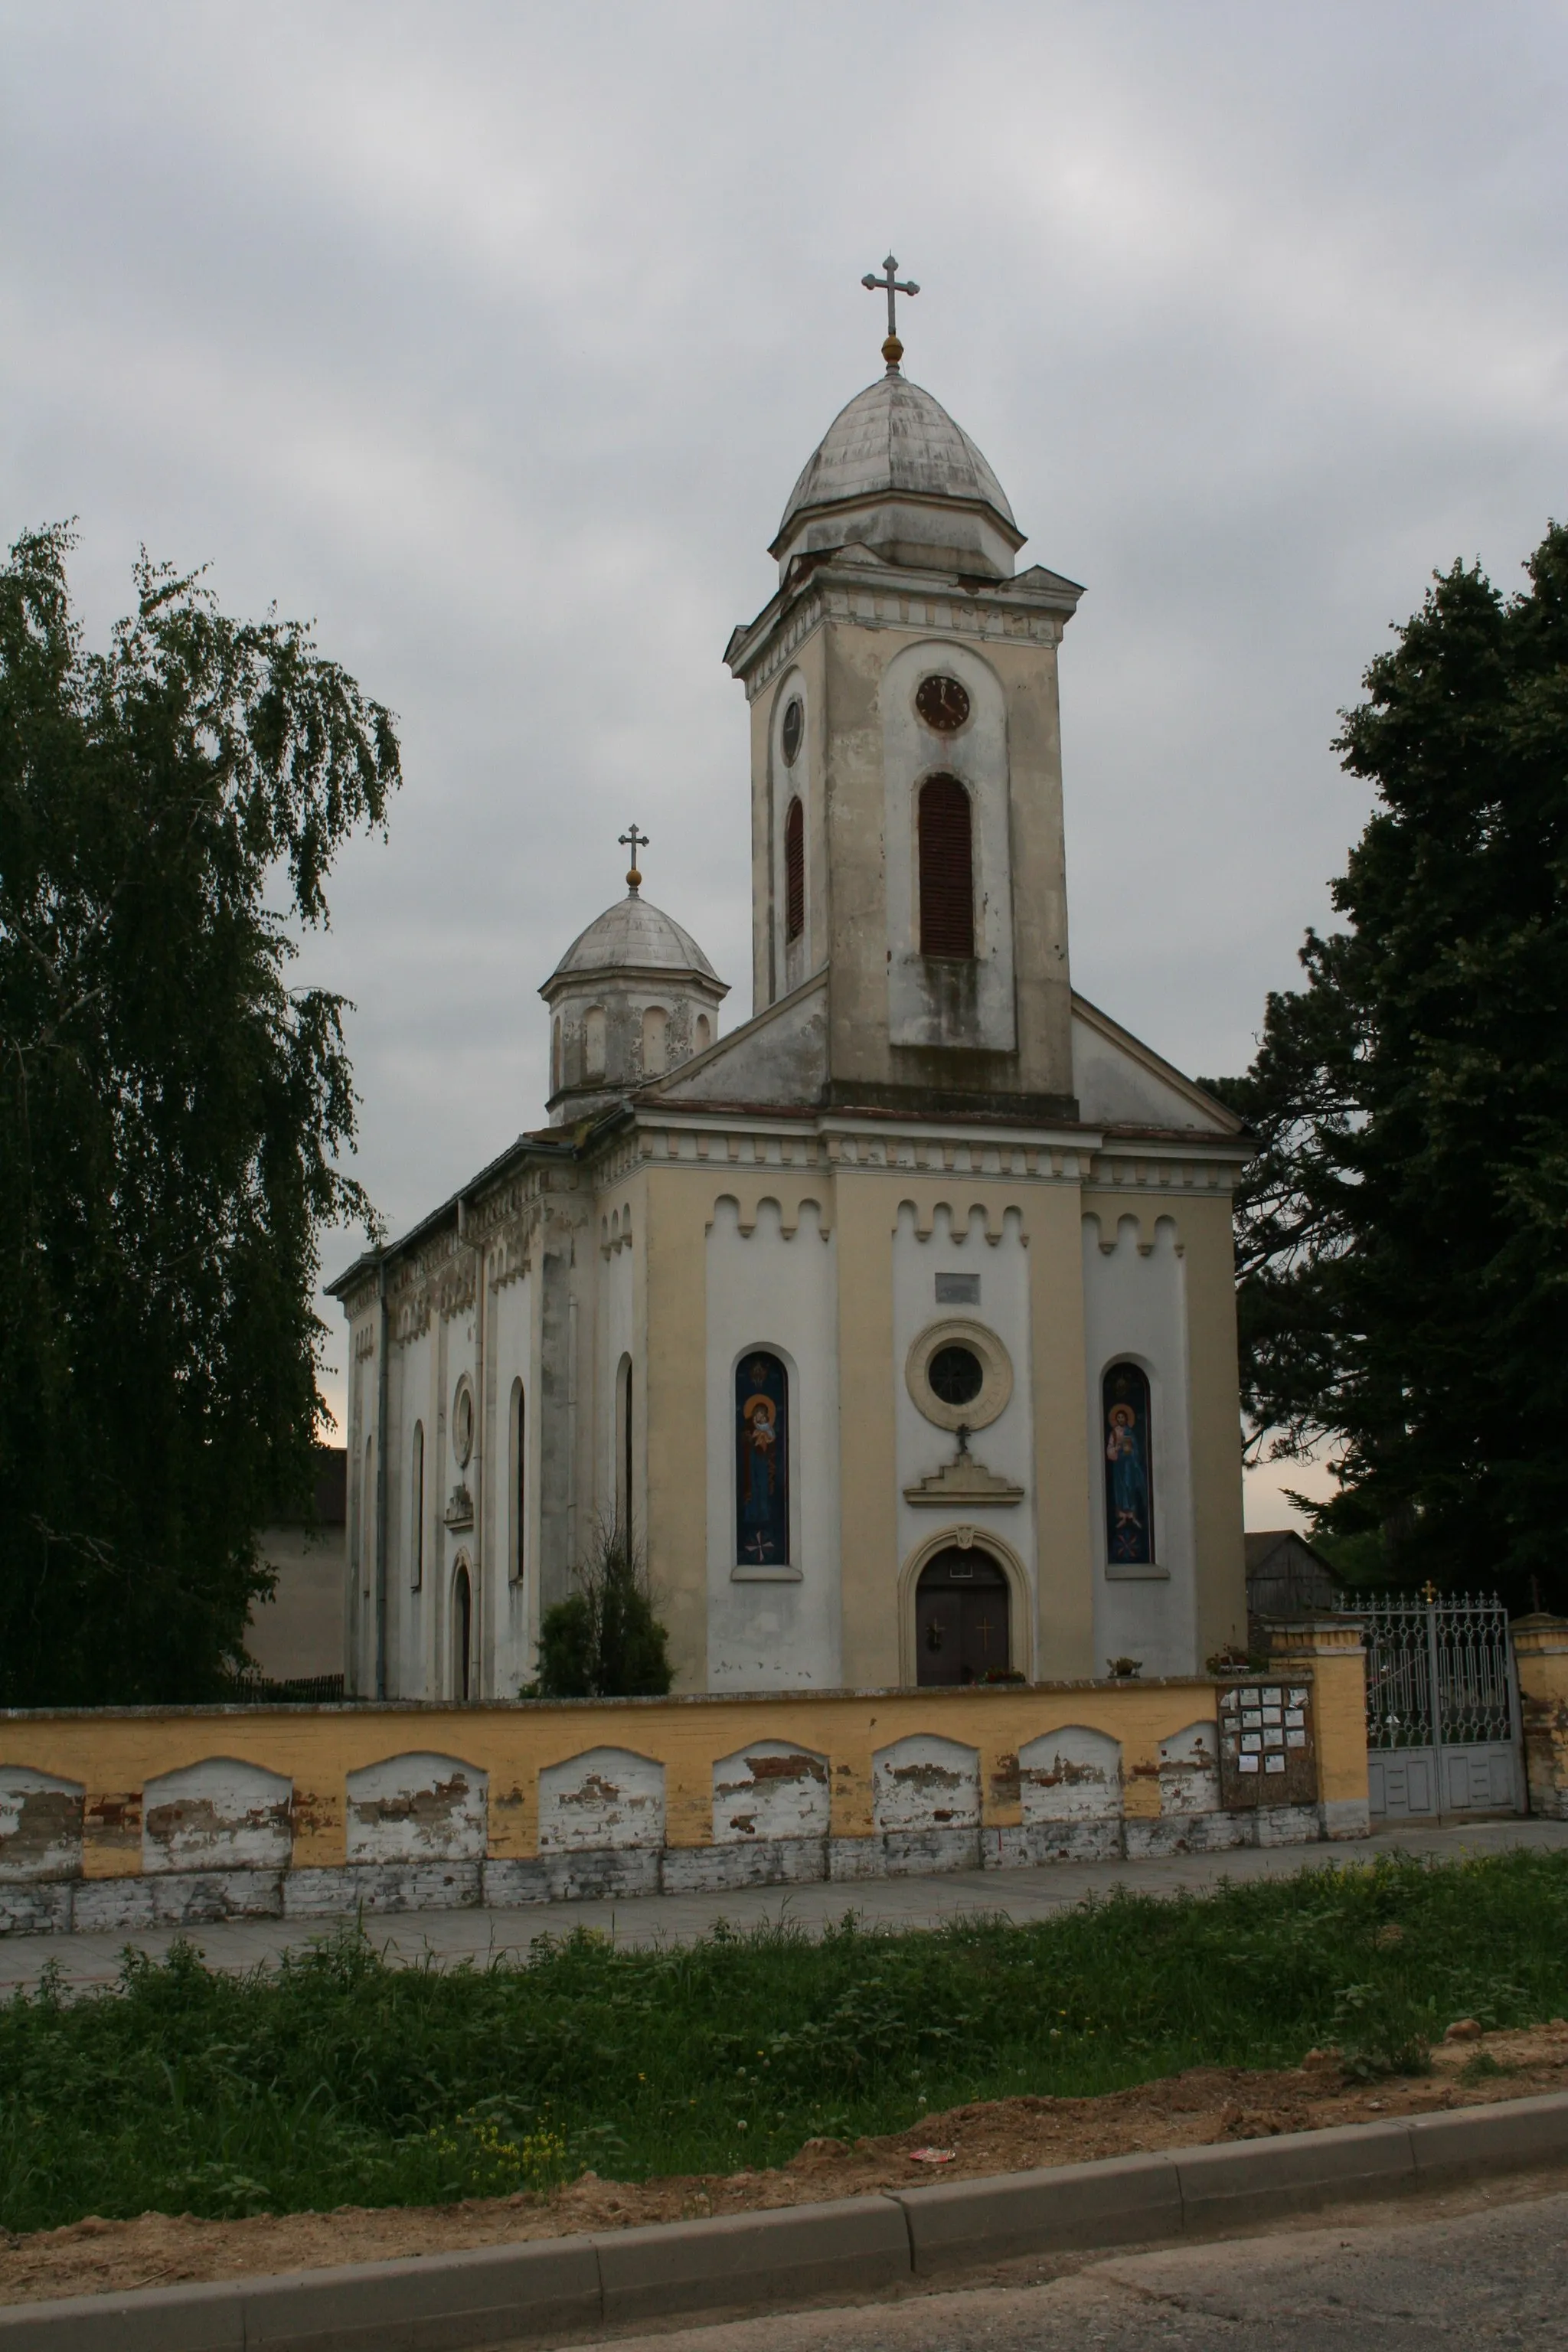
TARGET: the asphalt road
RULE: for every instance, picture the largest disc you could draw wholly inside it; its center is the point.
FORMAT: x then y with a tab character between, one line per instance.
1484	2272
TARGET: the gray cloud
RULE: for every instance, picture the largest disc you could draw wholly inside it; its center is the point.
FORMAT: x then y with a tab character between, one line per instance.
494	337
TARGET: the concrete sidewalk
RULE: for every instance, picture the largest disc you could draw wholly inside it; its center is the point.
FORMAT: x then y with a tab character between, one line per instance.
449	1937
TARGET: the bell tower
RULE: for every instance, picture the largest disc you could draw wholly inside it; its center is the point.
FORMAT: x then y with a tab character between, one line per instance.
906	768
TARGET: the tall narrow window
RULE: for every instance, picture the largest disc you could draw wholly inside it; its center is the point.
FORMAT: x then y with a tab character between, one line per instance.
795	871
1126	1441
555	1056
594	1042
762	1460
366	1514
416	1508
653	1028
624	1488
947	868
704	1034
462	1632
518	1478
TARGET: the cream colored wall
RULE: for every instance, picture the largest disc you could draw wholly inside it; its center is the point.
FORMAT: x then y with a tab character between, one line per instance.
1067	1568
669	1422
867	1210
299	1630
1210	1265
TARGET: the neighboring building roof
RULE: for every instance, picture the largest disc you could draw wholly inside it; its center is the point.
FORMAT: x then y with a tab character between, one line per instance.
1285	1575
331	1489
633	936
893	437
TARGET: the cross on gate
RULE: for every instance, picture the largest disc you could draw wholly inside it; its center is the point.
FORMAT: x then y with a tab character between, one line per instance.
890	284
634	840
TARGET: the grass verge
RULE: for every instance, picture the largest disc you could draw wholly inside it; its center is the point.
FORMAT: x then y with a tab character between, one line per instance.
336	2079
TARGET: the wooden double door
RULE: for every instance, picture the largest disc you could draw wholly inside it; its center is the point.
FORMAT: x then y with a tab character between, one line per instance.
961	1619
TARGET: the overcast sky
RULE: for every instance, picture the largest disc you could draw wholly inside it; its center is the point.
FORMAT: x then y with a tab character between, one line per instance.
493	337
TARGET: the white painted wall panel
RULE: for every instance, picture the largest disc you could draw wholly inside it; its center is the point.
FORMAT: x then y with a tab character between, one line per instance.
1134	1295
770	1290
417	1808
605	1796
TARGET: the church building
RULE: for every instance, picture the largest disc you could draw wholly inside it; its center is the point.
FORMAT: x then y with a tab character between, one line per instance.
898	1323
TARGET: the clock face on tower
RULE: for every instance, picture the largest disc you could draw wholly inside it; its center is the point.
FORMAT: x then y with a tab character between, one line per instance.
943	704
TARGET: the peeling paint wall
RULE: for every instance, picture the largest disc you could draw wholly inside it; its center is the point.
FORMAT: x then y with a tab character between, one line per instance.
1189	1770
220	1814
770	1790
924	1782
605	1796
40	1824
1071	1775
417	1808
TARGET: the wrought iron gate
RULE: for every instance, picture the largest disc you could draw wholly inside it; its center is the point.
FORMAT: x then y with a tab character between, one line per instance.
1442	1707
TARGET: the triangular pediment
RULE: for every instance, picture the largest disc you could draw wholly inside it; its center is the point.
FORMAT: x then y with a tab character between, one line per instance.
778	1060
1121	1082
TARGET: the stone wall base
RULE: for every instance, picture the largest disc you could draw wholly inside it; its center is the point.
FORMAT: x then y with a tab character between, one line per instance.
199	1899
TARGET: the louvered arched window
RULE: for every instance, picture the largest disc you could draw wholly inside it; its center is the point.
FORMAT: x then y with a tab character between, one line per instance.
795	871
947	868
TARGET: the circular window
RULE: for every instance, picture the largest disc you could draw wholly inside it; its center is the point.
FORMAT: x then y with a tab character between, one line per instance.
463	1423
956	1375
794	727
959	1374
943	703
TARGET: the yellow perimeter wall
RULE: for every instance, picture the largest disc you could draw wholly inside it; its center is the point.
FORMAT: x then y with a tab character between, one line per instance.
113	1756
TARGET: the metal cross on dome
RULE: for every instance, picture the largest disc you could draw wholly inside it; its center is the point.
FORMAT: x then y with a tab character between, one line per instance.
890	284
634	841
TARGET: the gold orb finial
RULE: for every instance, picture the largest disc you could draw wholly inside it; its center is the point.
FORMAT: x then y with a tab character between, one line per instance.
892	351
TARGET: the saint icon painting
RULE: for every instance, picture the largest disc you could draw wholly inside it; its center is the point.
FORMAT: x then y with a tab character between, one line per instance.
762	1462
1129	1479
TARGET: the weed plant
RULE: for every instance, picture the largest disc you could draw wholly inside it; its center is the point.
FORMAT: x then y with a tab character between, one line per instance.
337	2078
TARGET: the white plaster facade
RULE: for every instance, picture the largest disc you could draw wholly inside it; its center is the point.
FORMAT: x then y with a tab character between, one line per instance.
898	1151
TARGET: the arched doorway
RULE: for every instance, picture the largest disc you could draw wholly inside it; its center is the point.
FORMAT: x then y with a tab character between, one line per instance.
462	1631
961	1618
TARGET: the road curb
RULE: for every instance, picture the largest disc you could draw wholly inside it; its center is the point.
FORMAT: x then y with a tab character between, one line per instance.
551	2287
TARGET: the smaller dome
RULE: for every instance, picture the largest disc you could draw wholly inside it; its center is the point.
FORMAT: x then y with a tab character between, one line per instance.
632	936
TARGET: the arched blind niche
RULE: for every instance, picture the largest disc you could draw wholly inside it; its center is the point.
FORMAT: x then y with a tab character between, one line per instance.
947	869
795	871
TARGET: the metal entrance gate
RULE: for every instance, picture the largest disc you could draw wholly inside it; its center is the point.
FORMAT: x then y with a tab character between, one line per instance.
1442	1707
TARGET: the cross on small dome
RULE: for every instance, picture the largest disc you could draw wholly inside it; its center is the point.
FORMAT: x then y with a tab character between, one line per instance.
634	841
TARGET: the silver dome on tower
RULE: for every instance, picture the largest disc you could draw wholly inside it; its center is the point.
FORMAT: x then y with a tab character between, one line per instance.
894	472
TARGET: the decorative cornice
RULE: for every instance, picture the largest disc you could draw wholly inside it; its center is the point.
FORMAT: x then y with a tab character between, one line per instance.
961	1480
890	596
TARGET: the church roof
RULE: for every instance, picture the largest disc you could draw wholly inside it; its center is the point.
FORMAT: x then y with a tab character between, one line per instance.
894	436
633	936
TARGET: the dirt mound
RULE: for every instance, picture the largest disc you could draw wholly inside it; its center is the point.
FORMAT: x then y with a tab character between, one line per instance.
1191	2110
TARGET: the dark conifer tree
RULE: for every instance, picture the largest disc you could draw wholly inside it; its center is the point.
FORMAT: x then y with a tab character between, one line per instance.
1403	1235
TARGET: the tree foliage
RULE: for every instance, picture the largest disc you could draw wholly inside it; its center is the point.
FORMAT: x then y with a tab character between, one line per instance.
1403	1236
172	1117
604	1641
